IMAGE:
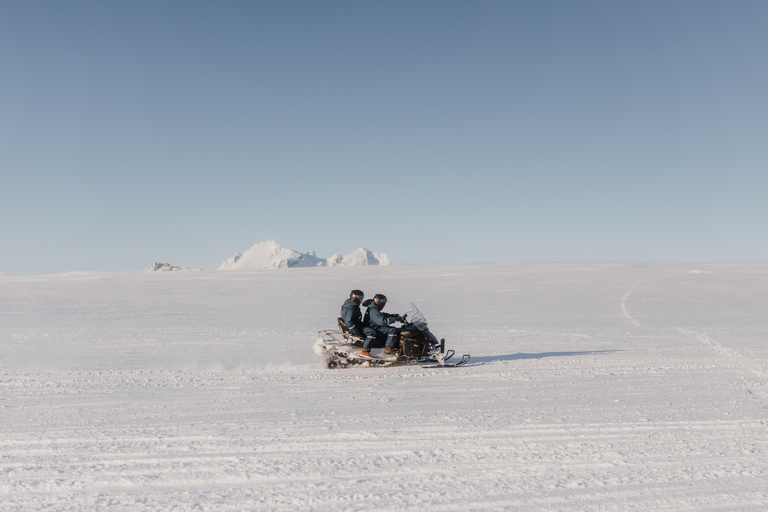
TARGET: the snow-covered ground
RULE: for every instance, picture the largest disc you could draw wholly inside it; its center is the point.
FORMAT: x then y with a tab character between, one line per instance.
591	387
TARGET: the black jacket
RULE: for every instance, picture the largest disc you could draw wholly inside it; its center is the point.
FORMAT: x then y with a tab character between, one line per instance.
350	313
376	318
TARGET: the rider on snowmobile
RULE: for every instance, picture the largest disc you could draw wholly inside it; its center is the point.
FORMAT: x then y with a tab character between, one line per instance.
377	323
351	314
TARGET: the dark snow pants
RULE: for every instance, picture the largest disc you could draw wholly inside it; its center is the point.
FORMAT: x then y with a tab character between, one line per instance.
392	335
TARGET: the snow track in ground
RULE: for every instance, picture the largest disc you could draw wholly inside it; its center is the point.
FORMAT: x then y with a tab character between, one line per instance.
201	392
624	305
753	373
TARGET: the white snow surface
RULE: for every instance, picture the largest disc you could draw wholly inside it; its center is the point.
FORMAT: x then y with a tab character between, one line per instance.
270	254
592	387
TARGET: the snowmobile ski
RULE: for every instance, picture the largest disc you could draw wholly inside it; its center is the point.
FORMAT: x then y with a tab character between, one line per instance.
464	360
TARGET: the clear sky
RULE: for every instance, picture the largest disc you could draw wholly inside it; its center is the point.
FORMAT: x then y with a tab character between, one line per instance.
435	131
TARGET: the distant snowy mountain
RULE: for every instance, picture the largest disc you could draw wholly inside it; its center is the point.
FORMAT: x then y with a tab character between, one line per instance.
270	254
2	275
167	267
361	256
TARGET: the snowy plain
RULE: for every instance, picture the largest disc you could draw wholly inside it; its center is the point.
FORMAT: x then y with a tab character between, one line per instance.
591	387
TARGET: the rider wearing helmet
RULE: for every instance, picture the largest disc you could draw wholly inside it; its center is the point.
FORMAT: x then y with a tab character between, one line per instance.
377	323
351	314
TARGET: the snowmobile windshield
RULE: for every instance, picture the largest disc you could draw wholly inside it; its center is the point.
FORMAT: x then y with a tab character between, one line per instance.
416	318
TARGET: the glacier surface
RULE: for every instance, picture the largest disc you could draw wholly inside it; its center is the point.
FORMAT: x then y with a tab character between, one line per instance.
592	387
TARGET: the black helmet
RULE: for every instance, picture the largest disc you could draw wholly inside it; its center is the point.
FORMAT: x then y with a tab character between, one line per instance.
357	296
380	300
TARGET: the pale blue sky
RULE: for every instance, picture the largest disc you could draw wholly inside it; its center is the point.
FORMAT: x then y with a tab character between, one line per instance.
135	132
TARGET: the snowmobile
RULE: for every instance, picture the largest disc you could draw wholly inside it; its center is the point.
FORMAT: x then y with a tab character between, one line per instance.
416	345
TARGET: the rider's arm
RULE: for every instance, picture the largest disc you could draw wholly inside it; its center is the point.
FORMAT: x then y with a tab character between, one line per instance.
380	318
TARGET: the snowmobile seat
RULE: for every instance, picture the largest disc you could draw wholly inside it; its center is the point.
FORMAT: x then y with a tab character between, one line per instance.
352	338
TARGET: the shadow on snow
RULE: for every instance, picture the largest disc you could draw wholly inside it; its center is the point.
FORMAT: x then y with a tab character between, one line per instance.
542	355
